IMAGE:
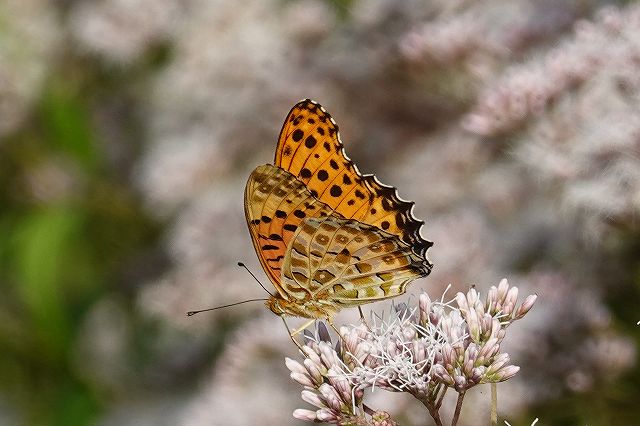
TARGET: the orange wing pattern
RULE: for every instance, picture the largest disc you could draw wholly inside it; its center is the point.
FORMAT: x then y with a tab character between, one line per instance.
310	149
275	205
327	236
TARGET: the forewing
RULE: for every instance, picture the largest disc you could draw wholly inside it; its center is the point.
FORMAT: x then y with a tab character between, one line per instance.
275	204
310	148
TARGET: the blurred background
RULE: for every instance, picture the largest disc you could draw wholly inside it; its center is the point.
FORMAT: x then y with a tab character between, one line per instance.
128	129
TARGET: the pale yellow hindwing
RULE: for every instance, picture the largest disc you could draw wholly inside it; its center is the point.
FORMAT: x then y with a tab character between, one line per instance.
347	263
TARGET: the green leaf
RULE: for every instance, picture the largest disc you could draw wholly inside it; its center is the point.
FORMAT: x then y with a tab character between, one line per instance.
43	239
68	124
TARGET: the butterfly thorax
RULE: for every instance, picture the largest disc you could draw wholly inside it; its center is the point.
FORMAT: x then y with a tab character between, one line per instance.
308	309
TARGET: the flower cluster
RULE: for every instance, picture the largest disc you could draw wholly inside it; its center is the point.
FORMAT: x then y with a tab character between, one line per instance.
477	358
121	32
528	89
30	37
421	350
591	169
326	385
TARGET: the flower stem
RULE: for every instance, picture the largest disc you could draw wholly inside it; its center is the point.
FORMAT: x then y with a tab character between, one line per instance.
433	411
494	404
456	414
435	414
441	397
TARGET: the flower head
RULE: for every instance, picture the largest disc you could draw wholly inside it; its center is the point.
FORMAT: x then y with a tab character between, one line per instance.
421	350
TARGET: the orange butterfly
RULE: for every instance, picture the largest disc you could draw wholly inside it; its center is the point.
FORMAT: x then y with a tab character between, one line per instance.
327	236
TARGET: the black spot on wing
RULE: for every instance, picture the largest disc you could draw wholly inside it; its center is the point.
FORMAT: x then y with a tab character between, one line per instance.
310	142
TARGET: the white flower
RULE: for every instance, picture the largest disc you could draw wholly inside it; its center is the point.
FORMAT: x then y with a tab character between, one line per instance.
422	350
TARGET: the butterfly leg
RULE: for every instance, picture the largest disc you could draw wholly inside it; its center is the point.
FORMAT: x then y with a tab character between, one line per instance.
362	319
334	328
302	327
291	334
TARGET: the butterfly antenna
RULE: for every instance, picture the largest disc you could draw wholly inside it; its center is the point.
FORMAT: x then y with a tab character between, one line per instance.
191	313
242	265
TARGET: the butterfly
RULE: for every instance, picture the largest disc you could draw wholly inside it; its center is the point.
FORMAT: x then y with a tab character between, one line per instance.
327	236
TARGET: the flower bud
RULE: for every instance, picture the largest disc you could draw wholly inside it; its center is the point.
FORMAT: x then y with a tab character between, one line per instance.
312	398
323	333
492	300
424	305
313	370
327	354
461	300
460	382
467	367
312	355
507	373
303	379
340	384
489	348
330	396
325	415
472	297
510	301
475	331
304	415
526	306
294	366
498	362
503	287
477	374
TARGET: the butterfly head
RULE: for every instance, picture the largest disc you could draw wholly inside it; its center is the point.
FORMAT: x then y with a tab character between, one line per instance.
274	304
297	308
281	307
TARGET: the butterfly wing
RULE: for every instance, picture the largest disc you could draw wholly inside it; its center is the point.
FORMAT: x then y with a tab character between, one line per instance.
275	204
337	261
326	235
310	148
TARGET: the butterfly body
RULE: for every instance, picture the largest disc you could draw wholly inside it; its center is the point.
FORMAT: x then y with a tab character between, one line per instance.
327	236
